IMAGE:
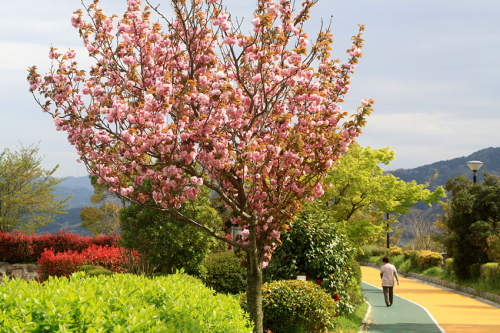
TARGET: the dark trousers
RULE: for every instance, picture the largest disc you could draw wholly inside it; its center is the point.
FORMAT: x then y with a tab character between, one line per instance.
388	295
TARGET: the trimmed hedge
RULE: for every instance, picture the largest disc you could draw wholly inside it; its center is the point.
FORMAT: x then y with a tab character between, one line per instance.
19	247
297	306
66	263
118	303
224	273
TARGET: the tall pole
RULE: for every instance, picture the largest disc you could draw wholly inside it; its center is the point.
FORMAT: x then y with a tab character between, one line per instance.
388	238
474	166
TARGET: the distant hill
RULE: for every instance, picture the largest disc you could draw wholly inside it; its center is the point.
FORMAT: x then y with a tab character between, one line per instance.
79	187
451	168
82	190
70	222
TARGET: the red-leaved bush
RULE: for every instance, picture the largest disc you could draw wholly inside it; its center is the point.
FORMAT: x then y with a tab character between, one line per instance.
66	263
19	247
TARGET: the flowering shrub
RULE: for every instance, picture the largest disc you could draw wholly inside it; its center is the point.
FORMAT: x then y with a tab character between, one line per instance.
394	251
19	247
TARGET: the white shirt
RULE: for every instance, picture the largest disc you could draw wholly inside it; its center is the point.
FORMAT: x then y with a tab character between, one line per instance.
388	272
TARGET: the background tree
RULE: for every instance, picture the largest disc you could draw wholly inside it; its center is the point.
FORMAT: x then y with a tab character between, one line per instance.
358	193
27	199
104	216
420	226
473	217
254	117
167	243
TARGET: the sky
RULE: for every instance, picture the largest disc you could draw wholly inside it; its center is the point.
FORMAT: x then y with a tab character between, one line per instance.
432	66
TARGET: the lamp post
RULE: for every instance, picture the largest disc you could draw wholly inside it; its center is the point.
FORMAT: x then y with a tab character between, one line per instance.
388	237
474	166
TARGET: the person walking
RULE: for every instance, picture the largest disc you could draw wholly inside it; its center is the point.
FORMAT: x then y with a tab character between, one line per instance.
388	273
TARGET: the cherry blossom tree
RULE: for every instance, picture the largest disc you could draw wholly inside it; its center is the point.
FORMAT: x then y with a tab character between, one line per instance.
167	109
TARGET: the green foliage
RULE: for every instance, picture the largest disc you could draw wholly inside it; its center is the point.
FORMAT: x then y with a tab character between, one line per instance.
475	271
118	303
490	272
314	247
473	217
91	270
224	272
359	192
368	251
169	244
103	217
448	268
291	306
434	272
27	198
493	248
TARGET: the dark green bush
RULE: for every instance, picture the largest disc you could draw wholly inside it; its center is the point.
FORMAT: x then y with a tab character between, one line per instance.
475	271
291	306
224	272
314	247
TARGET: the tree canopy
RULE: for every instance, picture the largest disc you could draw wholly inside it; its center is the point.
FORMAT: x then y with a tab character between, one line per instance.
472	218
103	217
27	198
255	118
358	192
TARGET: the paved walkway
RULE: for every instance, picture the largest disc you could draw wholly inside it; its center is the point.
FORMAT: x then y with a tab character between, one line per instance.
438	310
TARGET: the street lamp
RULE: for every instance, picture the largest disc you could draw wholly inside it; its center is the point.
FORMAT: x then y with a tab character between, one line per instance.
474	166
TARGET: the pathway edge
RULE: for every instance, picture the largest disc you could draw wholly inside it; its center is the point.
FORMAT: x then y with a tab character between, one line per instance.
430	315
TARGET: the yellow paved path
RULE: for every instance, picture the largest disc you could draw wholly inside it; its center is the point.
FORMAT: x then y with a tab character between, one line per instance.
454	313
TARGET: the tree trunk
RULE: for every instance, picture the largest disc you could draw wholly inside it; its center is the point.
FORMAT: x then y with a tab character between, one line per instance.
254	291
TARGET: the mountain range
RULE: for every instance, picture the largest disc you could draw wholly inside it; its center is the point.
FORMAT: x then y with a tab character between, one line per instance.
81	189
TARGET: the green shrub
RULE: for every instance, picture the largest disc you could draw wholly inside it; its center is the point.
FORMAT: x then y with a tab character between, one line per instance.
118	303
489	272
291	306
397	261
313	246
475	271
371	251
224	273
448	267
91	270
405	266
434	272
394	251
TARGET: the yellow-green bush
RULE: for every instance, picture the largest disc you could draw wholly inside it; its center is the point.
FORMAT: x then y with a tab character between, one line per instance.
448	267
297	306
426	259
394	251
118	303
